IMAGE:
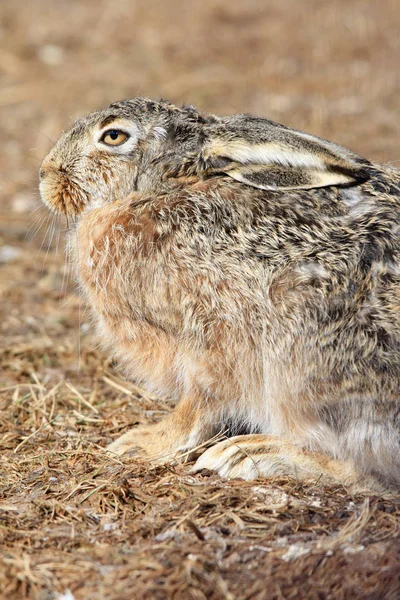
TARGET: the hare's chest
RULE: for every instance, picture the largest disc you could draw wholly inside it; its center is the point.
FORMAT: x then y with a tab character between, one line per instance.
125	279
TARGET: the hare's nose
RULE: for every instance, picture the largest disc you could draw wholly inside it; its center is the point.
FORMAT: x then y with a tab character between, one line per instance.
49	165
45	167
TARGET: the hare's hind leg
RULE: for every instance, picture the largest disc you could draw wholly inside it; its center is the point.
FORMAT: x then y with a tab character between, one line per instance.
185	428
251	456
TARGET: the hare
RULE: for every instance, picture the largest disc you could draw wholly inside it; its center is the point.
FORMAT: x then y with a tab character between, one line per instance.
249	272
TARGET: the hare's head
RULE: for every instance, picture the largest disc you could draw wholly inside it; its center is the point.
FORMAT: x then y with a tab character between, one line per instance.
146	146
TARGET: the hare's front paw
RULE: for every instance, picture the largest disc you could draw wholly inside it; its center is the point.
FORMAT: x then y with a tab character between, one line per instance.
151	442
171	438
251	456
140	441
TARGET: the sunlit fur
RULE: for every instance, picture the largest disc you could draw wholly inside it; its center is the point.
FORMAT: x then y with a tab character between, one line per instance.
275	311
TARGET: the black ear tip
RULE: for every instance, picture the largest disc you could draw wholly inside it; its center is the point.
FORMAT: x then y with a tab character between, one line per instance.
359	172
364	174
361	175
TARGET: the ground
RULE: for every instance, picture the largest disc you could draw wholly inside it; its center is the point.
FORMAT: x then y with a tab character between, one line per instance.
74	523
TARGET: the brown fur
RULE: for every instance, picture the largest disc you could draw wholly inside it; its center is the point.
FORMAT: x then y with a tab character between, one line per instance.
265	303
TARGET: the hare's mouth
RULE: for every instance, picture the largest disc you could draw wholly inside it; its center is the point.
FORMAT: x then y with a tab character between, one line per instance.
61	194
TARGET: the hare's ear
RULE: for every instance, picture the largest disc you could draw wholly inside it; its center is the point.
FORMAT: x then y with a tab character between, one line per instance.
270	156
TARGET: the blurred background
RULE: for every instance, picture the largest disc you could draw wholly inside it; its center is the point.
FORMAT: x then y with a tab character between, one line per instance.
328	67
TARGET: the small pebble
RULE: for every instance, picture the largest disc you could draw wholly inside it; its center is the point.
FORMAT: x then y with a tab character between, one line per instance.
8	254
24	202
51	55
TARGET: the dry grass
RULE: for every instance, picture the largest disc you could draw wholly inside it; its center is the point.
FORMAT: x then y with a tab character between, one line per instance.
75	523
74	519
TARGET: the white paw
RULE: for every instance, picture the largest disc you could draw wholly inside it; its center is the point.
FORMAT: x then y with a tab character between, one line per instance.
254	455
239	457
119	447
133	443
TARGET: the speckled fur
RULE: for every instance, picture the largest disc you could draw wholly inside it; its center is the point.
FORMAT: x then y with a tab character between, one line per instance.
273	310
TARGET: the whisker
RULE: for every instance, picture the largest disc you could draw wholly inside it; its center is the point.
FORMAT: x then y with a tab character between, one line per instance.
46	136
140	86
38	219
38	216
39	160
58	236
50	241
43	242
37	225
79	307
66	271
41	206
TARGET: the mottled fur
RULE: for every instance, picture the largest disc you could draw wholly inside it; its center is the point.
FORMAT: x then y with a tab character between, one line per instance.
263	302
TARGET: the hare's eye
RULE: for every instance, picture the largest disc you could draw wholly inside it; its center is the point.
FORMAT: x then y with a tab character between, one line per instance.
114	137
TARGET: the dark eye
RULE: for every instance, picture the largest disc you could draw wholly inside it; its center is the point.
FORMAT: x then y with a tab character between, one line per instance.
114	137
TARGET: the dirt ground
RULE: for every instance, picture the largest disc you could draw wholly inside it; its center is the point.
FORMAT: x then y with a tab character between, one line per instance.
74	523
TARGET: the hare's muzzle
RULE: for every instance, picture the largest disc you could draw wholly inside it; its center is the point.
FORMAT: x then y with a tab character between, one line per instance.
60	189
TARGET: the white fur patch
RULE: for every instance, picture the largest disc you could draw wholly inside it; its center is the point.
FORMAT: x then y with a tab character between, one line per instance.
352	197
159	133
357	203
312	269
270	153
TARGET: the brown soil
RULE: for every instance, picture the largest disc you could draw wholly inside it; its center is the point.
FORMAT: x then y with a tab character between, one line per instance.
73	522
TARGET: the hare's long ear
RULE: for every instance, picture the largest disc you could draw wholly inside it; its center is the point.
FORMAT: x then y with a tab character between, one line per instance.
270	156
